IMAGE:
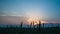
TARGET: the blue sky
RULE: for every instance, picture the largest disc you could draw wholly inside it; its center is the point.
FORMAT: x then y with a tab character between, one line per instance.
45	9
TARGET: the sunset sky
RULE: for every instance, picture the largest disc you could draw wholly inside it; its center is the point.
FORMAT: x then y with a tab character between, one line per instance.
48	10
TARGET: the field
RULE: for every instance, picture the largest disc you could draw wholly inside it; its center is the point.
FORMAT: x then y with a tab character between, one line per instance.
17	30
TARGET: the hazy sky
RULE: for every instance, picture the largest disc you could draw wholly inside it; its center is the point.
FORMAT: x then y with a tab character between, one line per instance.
47	9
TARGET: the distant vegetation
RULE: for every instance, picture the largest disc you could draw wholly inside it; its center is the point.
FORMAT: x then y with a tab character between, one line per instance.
30	30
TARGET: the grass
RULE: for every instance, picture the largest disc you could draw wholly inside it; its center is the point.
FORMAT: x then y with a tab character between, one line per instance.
17	30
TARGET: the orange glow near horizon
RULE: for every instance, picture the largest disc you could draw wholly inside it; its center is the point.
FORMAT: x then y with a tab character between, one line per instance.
43	22
36	21
33	20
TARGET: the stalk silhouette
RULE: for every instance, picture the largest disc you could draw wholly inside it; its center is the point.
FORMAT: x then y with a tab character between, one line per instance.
31	30
21	24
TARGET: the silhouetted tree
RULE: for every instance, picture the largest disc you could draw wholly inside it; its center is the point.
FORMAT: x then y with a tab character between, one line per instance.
21	24
30	24
43	25
33	24
39	26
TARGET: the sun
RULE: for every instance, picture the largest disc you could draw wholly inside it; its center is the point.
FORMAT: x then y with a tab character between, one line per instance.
36	21
33	20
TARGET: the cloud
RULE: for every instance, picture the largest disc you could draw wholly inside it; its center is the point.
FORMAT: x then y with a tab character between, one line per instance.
9	13
19	19
12	20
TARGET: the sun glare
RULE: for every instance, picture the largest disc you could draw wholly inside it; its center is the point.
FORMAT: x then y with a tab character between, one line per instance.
36	21
33	20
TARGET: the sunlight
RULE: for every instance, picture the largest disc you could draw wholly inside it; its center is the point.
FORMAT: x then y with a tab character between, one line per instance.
36	21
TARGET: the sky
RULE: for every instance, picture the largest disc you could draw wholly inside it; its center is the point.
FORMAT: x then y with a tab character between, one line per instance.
43	9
